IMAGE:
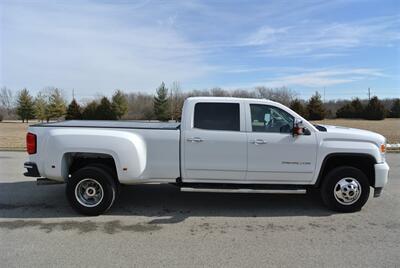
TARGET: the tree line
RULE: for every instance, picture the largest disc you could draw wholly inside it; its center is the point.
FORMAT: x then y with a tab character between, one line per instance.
50	104
373	109
166	104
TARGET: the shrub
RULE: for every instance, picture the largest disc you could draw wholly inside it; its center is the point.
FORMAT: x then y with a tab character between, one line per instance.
395	109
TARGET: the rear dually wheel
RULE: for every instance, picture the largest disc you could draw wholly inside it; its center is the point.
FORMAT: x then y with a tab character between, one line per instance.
91	190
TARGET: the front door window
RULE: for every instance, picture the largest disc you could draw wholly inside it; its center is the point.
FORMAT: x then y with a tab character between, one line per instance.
265	118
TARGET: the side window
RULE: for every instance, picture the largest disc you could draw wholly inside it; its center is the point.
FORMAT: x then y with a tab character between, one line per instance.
217	116
265	118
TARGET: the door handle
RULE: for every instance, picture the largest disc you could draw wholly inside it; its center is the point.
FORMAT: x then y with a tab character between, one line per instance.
258	142
195	139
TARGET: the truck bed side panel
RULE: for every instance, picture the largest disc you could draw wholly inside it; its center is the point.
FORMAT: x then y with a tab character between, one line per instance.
140	155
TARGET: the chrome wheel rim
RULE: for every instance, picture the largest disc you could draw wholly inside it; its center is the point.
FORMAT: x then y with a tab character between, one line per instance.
347	191
89	192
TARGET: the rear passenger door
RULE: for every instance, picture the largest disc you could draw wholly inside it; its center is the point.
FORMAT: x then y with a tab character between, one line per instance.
215	145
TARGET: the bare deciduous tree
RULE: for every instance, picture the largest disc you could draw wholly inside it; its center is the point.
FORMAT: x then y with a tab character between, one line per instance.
282	95
176	101
7	101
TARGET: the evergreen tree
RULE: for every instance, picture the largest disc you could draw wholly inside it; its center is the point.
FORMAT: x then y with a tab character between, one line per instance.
345	111
105	111
375	109
56	107
119	104
25	108
315	108
161	103
90	111
395	109
298	107
354	109
40	107
357	107
73	111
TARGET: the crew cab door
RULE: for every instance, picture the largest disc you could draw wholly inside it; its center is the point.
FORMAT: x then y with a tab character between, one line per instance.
274	154
215	143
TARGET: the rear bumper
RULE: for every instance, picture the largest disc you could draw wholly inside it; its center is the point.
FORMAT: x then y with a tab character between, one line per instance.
381	175
32	170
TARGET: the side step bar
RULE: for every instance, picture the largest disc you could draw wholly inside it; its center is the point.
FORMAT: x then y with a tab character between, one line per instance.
261	191
46	181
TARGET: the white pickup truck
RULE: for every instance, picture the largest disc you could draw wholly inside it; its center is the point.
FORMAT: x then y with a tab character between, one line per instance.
221	145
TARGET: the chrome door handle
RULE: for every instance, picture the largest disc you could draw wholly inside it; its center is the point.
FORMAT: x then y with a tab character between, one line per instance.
258	142
195	139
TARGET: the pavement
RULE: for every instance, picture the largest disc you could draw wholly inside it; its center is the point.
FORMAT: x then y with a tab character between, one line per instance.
156	225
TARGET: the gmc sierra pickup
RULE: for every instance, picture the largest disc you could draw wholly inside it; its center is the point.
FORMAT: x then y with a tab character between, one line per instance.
221	145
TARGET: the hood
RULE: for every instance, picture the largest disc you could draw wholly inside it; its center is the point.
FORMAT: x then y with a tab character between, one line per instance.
354	134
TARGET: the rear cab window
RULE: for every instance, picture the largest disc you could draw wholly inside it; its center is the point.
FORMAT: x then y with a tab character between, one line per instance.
217	116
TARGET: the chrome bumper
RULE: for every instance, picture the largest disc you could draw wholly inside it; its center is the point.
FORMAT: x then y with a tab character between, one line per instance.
381	177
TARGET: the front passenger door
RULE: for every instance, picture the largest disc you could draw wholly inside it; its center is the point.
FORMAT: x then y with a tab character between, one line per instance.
274	154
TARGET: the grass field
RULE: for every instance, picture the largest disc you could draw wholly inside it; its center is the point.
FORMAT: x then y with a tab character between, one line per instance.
12	133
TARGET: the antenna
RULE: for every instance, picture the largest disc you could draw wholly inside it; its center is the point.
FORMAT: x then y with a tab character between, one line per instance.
369	93
324	103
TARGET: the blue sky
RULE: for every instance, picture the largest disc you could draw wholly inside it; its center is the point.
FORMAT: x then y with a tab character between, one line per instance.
94	47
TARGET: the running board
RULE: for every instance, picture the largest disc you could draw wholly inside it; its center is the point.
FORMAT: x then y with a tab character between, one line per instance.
46	181
260	191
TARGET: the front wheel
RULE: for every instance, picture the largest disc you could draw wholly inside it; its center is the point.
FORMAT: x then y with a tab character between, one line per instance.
91	190
345	189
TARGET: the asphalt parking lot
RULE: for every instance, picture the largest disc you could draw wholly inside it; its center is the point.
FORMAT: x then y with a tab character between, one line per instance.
156	225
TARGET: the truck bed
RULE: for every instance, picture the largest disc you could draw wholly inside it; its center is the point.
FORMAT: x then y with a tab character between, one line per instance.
112	124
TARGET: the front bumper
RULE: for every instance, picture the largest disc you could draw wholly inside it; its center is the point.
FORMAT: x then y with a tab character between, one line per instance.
32	170
381	177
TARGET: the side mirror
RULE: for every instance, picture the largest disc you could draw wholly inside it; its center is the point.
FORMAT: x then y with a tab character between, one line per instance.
298	128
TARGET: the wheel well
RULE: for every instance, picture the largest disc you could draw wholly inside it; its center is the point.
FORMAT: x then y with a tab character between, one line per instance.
363	162
76	161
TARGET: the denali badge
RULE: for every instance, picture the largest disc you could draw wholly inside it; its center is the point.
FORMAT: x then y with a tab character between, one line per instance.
295	163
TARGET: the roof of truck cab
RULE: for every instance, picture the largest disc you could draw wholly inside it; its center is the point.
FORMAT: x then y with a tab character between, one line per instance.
112	124
221	99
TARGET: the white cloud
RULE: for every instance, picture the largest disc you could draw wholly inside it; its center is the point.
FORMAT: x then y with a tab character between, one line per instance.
316	38
266	35
324	77
97	46
91	48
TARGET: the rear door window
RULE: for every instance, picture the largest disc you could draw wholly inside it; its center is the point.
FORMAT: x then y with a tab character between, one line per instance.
217	116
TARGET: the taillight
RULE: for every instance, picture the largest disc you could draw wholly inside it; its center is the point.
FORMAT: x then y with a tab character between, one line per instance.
31	143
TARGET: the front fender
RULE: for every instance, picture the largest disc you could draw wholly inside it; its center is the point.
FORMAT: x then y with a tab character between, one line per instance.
331	147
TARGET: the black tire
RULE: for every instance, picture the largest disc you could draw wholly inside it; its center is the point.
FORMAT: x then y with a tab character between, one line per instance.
101	180
113	174
332	201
